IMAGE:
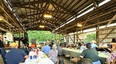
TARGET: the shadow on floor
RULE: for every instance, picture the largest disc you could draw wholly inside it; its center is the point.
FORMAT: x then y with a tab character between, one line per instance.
66	60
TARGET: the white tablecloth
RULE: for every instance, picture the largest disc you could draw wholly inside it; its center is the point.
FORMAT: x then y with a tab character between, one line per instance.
77	52
41	59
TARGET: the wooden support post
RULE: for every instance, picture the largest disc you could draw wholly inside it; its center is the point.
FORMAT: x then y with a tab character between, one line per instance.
71	38
97	35
68	38
77	36
74	38
59	37
55	36
65	40
107	34
113	18
19	44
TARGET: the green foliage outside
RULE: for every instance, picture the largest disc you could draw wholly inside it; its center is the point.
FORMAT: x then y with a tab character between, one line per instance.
41	36
16	35
90	37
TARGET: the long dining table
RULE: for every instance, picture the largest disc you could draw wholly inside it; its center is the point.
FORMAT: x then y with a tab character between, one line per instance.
41	59
76	53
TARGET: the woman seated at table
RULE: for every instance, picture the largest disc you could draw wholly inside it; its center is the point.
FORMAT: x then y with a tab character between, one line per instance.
15	56
53	54
91	53
112	56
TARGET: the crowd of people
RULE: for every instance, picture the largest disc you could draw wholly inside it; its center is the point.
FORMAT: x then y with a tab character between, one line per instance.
52	50
16	55
90	51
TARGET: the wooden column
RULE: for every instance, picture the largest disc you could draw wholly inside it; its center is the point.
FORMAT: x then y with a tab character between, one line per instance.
74	39
67	38
19	44
55	36
59	37
97	35
77	36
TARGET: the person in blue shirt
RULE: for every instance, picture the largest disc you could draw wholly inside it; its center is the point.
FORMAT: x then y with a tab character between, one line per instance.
15	56
94	45
46	48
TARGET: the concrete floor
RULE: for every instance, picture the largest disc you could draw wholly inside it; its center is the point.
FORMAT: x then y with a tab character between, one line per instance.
66	60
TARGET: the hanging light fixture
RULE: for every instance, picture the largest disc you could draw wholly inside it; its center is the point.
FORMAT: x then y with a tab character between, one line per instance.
41	26
1	18
79	25
47	15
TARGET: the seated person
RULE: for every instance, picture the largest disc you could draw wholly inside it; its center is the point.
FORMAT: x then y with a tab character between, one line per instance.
15	56
82	47
112	55
25	49
103	45
94	45
91	53
59	49
53	54
46	48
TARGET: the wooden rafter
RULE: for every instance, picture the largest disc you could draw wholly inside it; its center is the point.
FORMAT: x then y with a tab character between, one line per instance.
107	34
65	9
92	18
9	15
62	12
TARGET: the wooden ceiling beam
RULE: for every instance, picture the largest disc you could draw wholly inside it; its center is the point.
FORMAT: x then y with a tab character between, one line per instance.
58	15
2	29
59	19
32	22
82	6
77	8
90	19
76	3
25	16
18	3
40	9
8	17
65	9
37	26
71	3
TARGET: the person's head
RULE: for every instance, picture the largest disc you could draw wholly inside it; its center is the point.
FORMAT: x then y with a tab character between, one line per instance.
109	46
33	45
88	45
46	43
113	49
0	37
93	41
14	45
54	47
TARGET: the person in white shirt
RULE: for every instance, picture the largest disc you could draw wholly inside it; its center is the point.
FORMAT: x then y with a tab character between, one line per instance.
53	54
82	47
103	44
